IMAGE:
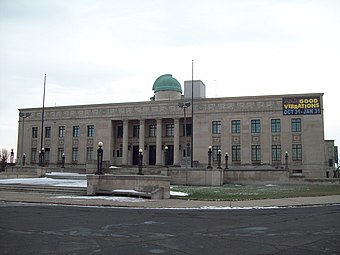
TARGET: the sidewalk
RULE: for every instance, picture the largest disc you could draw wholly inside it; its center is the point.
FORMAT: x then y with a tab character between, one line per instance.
43	198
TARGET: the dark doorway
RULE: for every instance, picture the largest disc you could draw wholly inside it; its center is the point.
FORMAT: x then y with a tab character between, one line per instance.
170	155
135	152
152	154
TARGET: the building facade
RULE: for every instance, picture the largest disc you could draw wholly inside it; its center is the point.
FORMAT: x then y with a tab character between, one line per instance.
255	131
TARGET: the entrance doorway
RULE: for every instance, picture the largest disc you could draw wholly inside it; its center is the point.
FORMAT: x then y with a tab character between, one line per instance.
152	154
135	153
170	155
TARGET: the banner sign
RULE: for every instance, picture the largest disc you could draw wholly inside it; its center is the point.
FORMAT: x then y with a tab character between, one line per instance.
301	105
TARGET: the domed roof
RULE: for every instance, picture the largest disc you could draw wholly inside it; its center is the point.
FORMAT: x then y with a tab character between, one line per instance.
166	83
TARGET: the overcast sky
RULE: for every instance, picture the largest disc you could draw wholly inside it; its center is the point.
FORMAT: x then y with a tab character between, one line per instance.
101	51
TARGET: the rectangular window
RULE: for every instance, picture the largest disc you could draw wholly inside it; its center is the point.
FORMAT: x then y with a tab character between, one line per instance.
276	125
47	132
75	131
135	130
215	152
236	153
47	155
216	127
90	130
119	131
62	131
297	152
256	152
152	130
187	151
276	152
169	129
255	126
296	125
33	154
34	132
235	126
75	154
60	154
89	153
189	126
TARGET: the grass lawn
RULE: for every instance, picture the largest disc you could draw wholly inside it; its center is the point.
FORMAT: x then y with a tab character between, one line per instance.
252	192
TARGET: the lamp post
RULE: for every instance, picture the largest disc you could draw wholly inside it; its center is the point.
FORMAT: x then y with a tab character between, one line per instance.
286	159
140	162
209	157
63	160
166	155
226	160
23	116
100	158
42	157
219	156
185	106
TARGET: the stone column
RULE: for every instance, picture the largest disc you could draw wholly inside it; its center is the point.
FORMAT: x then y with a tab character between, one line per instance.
176	142
141	134
125	142
159	142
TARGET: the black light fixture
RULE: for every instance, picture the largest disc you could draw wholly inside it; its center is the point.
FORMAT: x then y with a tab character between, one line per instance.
226	160
166	155
209	157
140	162
100	158
63	160
219	159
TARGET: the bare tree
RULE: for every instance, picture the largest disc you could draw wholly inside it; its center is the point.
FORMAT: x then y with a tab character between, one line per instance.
4	158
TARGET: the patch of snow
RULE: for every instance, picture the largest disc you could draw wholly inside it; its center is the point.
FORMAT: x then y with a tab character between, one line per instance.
178	194
270	185
237	208
114	167
46	181
131	191
109	198
65	174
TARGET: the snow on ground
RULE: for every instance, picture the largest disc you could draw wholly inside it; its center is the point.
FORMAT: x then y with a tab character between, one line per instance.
64	174
178	194
46	181
110	198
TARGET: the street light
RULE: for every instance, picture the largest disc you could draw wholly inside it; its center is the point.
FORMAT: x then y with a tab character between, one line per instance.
63	160
140	162
100	158
23	116
219	159
42	157
23	159
226	160
166	155
209	157
185	106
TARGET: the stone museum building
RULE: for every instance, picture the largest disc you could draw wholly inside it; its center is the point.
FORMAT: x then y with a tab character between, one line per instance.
256	132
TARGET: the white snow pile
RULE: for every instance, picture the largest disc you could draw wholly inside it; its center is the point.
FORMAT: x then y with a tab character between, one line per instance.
109	198
46	181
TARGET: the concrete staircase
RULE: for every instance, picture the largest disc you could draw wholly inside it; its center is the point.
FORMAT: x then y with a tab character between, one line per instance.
43	189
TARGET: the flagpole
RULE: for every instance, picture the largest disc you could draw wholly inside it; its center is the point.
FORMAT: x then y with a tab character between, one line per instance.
192	113
42	125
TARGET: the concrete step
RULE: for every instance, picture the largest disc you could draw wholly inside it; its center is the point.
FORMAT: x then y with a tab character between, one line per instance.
43	189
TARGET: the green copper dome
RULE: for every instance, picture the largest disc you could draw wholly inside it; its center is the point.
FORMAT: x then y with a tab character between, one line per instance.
166	83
